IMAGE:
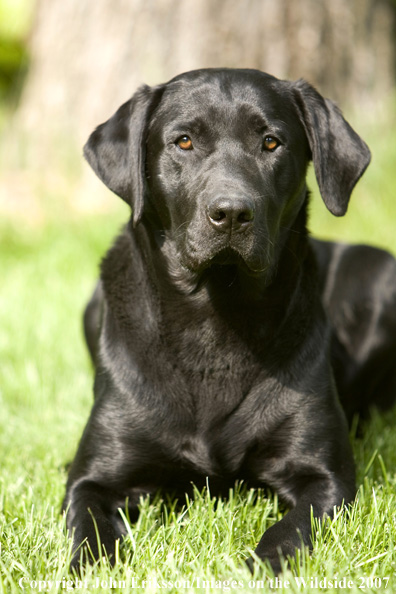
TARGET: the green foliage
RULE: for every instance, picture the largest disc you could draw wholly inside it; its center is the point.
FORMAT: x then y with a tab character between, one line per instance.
15	18
13	66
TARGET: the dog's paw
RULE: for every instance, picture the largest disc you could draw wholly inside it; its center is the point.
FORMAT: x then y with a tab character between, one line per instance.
85	556
274	562
76	564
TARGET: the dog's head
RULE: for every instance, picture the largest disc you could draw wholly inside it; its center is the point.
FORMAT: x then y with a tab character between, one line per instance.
218	158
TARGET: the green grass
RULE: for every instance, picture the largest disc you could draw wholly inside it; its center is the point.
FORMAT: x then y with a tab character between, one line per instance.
47	273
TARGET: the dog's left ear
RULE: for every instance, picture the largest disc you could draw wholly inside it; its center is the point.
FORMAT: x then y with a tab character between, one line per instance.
339	155
116	149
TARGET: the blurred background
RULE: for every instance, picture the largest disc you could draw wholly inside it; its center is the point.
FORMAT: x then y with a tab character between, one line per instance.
65	66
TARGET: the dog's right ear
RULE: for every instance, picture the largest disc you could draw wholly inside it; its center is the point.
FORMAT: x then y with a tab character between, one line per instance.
116	149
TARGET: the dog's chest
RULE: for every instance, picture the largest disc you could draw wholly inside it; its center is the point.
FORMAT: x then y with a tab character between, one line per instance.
213	363
213	376
211	442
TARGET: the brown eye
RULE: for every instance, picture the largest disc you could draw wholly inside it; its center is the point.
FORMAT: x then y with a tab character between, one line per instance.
185	143
270	143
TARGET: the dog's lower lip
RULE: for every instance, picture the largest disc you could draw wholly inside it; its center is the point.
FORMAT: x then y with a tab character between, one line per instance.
226	257
230	257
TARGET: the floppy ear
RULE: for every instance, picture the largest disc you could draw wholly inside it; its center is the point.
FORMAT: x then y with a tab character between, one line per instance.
339	155
116	149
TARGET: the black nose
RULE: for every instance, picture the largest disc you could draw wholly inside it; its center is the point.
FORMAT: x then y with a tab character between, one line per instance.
231	214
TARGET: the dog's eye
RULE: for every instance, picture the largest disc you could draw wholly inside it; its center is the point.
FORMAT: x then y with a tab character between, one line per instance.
185	143
270	143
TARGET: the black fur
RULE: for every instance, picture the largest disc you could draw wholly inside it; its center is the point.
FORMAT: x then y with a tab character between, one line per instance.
213	350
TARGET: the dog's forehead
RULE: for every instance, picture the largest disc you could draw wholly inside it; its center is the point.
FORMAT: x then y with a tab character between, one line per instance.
224	93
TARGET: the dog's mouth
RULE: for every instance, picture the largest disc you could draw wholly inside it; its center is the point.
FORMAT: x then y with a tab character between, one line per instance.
229	257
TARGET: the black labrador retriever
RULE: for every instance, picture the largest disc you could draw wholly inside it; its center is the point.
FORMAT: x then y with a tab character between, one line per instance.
225	338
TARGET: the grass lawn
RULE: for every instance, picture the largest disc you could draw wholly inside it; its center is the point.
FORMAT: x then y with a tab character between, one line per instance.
47	273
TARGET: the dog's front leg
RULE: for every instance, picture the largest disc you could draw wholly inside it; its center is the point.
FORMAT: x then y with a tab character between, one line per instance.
93	521
294	531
